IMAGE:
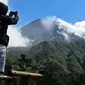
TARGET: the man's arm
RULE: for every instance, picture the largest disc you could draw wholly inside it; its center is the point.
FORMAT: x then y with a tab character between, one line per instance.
5	19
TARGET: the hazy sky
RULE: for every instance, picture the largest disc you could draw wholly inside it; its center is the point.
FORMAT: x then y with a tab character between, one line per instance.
68	10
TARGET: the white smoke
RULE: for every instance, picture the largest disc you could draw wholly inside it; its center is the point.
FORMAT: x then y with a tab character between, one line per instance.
16	39
78	28
48	22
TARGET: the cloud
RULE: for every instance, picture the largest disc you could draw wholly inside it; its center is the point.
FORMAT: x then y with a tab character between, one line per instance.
48	22
4	1
16	38
78	28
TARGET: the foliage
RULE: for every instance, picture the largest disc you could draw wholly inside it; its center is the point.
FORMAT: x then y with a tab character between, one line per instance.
60	63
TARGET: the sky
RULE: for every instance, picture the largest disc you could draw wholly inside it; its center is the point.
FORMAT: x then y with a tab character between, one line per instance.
69	10
70	15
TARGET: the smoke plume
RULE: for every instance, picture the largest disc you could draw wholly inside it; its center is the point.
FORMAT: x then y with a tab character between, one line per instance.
16	38
78	28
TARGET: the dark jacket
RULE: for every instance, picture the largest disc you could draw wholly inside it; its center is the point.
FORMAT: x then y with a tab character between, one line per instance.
5	20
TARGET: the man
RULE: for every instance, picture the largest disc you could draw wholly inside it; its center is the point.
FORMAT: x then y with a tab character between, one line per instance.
5	20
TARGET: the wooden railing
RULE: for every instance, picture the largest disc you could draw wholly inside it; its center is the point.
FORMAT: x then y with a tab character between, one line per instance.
31	78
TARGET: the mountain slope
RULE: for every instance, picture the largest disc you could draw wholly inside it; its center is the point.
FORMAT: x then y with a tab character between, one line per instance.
33	29
70	56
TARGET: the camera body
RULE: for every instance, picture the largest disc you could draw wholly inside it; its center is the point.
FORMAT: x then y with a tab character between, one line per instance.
13	13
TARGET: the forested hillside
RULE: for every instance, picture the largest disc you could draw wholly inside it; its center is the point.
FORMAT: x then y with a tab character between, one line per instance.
61	63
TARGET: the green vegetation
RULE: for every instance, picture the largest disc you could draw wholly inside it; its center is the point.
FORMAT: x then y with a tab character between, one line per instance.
61	63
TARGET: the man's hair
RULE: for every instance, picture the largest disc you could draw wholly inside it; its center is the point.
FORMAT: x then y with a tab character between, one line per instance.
3	9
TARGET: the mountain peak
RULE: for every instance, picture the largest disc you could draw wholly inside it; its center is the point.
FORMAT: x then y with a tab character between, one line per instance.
37	20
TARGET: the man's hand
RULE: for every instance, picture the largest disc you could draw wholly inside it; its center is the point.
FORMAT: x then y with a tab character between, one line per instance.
11	13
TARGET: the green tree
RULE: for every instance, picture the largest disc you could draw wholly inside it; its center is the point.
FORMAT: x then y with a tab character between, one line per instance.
24	62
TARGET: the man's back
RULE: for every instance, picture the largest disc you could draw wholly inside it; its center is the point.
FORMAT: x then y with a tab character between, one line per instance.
5	20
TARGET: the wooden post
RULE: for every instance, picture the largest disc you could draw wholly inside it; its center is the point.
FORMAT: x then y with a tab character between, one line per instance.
18	81
32	81
0	81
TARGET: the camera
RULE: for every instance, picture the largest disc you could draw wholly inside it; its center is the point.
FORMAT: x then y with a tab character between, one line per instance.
13	13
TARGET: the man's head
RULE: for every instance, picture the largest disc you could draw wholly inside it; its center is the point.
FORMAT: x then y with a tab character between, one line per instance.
3	9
